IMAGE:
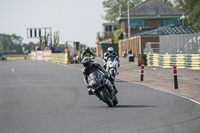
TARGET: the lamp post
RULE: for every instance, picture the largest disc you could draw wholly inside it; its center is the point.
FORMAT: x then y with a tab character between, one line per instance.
182	18
128	19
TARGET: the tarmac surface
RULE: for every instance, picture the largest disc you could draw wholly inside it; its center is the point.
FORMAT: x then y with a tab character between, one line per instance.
41	97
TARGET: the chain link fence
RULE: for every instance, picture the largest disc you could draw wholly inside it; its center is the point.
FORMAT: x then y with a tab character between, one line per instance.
180	44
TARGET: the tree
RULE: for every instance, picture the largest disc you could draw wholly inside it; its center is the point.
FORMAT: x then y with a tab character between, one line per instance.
10	43
167	2
30	46
185	4
112	8
194	5
194	18
118	35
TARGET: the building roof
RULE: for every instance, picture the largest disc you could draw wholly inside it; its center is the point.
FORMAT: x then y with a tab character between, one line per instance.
153	8
169	30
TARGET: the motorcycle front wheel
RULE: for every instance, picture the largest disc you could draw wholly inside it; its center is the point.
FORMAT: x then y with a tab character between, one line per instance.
112	73
115	102
105	95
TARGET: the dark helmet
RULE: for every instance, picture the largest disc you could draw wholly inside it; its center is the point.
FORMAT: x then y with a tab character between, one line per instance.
86	61
110	50
87	48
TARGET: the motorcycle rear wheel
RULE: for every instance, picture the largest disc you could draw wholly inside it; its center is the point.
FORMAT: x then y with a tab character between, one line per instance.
105	95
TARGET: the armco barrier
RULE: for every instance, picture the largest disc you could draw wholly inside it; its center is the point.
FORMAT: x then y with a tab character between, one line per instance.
195	62
15	58
46	55
190	61
166	61
40	55
59	58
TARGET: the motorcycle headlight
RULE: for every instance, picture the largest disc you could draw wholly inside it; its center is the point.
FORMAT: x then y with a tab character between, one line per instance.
93	82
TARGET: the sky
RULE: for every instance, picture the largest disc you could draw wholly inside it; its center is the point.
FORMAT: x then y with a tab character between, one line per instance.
76	20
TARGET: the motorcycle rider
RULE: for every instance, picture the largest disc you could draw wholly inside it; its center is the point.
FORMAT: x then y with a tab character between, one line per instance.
110	53
87	53
90	67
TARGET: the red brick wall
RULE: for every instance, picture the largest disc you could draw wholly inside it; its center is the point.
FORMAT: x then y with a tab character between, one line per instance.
153	23
98	50
108	35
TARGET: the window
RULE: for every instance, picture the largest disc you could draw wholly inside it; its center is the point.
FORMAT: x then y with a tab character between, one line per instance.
161	23
115	28
137	23
110	28
106	28
145	23
173	21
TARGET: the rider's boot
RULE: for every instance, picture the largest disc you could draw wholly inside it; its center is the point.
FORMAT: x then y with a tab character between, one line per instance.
90	91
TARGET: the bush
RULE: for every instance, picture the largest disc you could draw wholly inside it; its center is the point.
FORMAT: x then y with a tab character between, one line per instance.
3	58
118	36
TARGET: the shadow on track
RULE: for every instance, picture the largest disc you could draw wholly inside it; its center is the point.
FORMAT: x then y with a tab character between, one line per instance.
120	81
133	106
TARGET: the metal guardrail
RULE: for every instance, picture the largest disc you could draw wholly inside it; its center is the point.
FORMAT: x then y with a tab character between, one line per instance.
15	58
190	61
59	58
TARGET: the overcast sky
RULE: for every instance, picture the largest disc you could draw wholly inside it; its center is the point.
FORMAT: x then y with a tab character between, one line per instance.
76	20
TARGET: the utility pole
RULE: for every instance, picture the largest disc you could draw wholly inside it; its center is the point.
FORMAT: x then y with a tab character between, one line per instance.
120	9
128	19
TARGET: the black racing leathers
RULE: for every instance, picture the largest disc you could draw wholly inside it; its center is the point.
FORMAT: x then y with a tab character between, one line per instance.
91	68
96	67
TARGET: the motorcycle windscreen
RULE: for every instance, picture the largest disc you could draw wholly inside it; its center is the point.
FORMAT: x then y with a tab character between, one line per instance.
111	58
96	75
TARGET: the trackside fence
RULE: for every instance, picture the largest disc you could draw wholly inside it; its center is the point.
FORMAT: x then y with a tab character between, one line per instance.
190	61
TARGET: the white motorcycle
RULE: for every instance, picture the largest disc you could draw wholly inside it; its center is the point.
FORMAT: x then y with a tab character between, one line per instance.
111	67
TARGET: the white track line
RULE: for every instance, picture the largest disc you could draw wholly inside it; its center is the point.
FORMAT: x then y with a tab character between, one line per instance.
165	91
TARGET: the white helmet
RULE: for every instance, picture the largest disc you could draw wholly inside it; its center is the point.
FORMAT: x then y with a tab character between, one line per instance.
110	50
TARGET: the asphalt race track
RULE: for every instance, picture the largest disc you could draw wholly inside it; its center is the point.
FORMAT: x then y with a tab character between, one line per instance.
40	97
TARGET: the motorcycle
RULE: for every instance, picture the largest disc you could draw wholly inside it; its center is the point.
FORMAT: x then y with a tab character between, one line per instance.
100	89
111	67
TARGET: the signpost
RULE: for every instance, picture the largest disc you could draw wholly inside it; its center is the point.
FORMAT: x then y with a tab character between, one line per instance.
43	32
